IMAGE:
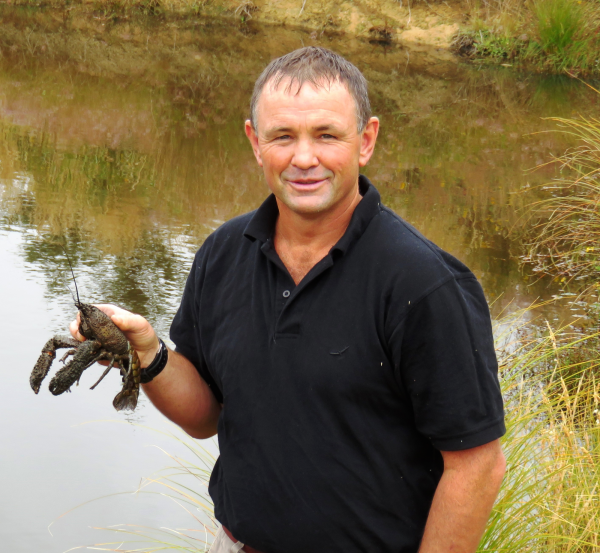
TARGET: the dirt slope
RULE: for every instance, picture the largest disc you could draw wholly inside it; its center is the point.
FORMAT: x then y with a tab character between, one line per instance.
406	21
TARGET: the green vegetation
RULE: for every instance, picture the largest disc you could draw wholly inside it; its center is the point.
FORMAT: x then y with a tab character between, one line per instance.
564	241
558	23
549	500
549	35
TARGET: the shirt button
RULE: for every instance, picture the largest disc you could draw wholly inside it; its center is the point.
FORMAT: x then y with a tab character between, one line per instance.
286	294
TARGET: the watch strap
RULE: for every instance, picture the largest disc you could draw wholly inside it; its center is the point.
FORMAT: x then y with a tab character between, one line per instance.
158	364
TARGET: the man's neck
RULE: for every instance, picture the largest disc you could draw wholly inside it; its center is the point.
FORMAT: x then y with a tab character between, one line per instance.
302	241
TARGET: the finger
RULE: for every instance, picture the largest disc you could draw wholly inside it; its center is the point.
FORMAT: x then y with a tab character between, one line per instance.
138	331
74	329
129	322
108	308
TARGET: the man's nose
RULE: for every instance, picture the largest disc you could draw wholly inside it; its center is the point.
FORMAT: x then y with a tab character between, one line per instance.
305	155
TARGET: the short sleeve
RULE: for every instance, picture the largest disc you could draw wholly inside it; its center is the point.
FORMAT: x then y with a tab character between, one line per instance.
185	326
445	358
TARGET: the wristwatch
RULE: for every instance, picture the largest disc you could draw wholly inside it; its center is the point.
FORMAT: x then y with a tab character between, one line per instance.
158	364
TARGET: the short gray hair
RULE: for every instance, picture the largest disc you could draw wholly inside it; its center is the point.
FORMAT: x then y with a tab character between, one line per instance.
319	67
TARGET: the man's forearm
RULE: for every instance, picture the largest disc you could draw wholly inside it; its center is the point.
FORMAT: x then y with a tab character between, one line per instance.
463	500
181	394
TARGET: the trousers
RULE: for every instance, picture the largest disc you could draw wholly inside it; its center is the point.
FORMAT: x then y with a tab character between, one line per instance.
223	544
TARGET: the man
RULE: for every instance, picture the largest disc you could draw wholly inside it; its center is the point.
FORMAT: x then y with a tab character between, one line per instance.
346	362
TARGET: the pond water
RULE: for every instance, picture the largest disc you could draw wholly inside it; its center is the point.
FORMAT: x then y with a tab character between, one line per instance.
121	140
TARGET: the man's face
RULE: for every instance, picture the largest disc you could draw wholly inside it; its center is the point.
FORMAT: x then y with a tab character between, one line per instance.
309	146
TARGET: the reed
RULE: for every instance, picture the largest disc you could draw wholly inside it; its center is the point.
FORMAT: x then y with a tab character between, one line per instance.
550	499
564	241
548	35
558	23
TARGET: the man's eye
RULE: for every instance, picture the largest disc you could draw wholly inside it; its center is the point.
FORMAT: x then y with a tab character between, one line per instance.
327	136
283	137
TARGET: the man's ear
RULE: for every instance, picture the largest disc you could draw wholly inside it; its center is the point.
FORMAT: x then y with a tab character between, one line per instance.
251	134
368	139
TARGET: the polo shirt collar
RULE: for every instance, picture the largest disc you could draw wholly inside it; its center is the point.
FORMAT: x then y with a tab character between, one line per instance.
262	224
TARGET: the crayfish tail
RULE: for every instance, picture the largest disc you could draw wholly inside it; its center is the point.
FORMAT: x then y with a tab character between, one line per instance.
126	400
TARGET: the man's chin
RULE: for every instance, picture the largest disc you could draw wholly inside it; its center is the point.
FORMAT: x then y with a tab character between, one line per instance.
308	206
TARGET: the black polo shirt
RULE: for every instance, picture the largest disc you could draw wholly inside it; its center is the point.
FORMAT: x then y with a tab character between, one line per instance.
338	393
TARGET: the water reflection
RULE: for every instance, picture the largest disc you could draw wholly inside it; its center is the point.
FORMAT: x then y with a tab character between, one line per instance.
132	175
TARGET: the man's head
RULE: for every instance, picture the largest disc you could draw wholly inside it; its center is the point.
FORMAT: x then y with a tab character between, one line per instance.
311	130
319	67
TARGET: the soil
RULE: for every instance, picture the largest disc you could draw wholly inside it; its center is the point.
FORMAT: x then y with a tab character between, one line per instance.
410	22
432	24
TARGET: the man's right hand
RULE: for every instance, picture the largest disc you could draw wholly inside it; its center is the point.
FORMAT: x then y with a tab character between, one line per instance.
178	392
137	330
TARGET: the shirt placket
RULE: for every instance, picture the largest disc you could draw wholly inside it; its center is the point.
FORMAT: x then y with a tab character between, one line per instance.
283	290
286	292
284	284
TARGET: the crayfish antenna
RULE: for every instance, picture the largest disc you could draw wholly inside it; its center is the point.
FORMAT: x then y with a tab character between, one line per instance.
77	302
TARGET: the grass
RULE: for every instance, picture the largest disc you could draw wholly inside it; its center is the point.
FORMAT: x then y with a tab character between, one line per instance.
550	499
185	485
549	35
565	237
558	23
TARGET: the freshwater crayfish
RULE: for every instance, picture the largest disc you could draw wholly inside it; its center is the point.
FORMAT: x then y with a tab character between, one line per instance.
104	341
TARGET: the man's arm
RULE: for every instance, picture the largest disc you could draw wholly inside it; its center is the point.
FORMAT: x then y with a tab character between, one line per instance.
178	392
463	500
181	394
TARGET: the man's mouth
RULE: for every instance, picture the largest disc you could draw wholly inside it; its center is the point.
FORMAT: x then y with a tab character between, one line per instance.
307	183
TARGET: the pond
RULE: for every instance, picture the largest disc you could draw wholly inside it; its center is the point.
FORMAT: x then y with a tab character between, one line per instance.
121	142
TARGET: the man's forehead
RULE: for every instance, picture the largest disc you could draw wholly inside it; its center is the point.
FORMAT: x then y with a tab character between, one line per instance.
293	86
284	101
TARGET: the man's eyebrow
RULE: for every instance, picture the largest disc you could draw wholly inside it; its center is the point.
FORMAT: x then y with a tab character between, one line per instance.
325	128
277	130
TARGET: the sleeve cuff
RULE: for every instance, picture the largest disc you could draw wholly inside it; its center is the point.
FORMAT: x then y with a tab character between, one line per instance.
473	439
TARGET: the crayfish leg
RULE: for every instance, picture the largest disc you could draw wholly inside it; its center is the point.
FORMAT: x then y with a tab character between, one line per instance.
70	352
42	366
110	366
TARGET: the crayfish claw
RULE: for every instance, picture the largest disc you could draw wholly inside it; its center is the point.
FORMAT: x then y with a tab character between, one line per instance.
42	366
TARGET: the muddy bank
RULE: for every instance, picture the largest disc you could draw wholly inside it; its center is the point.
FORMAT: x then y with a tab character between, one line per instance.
412	22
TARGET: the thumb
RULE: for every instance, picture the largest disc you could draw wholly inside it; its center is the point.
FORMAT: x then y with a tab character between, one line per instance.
137	329
119	321
130	322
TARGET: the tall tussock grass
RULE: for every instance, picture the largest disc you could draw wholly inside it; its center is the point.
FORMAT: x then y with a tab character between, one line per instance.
558	23
184	487
550	498
565	237
549	35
